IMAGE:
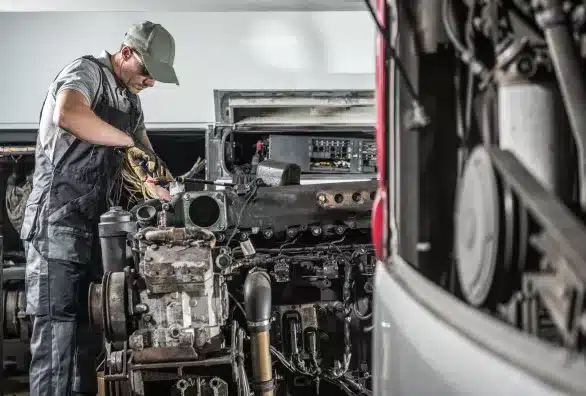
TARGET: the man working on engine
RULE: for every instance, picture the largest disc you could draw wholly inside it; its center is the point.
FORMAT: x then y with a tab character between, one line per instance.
90	115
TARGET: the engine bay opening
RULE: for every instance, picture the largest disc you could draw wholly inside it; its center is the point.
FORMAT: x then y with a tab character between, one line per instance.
204	211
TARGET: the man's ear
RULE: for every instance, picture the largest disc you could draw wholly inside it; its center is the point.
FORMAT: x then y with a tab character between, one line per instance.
126	53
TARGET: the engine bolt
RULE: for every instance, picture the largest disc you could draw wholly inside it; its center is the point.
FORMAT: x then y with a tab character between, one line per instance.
322	198
186	197
147	317
155	247
316	231
141	308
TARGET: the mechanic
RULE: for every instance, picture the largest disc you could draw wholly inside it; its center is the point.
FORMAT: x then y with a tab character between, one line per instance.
90	116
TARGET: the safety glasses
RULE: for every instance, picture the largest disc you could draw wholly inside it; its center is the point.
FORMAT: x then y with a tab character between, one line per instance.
143	70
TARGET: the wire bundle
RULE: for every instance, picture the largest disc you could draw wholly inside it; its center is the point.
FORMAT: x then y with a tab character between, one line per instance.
130	179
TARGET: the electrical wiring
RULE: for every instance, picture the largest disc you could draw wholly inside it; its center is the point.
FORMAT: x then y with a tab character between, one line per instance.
130	177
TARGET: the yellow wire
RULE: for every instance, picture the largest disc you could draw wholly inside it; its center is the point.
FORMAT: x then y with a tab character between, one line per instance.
133	176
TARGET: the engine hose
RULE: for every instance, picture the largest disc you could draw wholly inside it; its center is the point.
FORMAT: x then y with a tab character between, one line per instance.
244	380
359	388
257	304
346	293
359	315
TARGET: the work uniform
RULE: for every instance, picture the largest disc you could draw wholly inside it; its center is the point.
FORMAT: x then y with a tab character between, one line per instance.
71	182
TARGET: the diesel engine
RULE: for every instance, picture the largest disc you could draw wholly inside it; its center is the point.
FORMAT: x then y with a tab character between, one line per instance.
250	289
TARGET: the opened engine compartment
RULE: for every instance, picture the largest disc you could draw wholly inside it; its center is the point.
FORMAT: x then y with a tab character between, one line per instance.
249	288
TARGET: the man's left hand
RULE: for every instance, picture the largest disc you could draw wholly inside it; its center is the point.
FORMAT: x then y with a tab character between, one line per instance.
159	191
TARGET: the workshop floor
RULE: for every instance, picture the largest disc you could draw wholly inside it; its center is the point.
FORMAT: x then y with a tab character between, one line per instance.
16	386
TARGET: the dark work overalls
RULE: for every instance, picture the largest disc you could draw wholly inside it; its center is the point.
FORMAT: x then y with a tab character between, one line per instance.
61	241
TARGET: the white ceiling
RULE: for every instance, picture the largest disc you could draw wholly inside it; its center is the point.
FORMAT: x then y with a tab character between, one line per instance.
182	5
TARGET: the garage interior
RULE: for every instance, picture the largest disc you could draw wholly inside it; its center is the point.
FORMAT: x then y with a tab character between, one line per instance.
366	197
275	109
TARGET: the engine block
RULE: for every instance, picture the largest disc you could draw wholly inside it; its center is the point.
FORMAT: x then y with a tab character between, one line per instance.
219	291
184	302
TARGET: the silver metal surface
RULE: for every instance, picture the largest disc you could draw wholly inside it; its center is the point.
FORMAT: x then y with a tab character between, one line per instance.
187	303
532	124
477	227
417	325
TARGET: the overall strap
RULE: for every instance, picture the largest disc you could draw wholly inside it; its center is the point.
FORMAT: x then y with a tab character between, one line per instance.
95	99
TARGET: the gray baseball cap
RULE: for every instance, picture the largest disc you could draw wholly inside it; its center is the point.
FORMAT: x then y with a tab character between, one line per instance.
156	48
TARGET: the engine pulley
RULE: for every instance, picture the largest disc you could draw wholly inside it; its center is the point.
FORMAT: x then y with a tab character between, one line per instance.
478	222
108	306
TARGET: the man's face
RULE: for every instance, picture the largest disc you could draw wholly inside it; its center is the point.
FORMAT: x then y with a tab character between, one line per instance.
134	73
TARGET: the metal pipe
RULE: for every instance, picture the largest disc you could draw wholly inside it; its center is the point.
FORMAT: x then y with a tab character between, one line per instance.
568	69
257	302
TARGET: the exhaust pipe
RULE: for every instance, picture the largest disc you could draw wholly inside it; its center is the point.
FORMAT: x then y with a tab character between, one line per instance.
257	302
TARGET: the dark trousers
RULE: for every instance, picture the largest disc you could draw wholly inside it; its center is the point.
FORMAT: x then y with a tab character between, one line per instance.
64	350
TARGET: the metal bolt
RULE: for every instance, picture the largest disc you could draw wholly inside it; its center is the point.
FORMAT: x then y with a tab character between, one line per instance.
316	231
141	308
322	198
147	317
186	197
155	247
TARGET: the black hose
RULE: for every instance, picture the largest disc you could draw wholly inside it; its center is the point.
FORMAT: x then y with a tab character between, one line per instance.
237	304
466	55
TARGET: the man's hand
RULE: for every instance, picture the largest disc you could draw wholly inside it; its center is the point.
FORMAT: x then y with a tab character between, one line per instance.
159	191
146	150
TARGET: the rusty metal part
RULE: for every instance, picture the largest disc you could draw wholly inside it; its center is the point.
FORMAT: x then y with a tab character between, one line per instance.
6	151
117	306
101	384
108	306
176	235
206	209
262	377
177	268
265	210
96	307
257	302
344	199
164	354
214	361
